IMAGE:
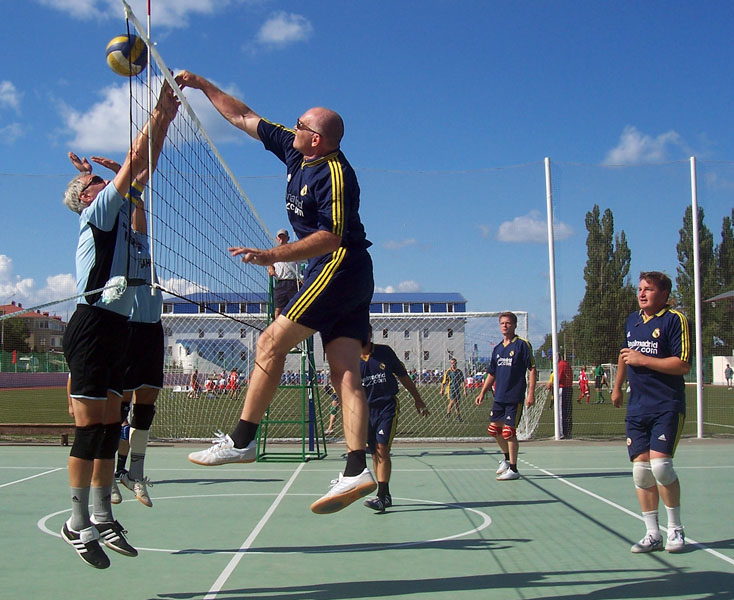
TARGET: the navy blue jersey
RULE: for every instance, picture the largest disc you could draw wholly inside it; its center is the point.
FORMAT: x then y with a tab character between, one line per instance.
663	335
379	374
321	195
509	364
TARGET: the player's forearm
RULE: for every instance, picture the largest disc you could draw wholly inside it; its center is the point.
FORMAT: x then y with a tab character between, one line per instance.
671	365
315	244
621	374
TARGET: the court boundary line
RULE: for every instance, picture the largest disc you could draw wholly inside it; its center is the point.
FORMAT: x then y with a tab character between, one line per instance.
621	508
235	560
32	477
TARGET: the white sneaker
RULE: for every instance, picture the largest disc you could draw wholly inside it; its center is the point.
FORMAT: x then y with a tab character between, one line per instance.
115	496
649	543
508	475
344	491
676	540
224	452
138	487
504	465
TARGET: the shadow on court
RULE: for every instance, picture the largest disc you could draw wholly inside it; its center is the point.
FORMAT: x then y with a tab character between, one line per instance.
450	545
212	481
581	475
611	585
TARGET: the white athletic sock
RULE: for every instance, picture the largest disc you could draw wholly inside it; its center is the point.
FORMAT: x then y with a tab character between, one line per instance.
651	522
673	516
138	445
102	504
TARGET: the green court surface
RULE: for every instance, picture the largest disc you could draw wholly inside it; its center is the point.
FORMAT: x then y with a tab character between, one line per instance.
245	531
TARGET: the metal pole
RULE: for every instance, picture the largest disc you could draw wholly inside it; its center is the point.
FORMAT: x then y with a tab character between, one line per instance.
552	277
697	295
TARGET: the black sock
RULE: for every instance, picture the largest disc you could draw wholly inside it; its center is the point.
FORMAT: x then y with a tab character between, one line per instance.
513	467
356	463
507	456
383	489
244	433
121	460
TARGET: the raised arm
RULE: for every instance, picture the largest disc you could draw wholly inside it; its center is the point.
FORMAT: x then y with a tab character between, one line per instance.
232	109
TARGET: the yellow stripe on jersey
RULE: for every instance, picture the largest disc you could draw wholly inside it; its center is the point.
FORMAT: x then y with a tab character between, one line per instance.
312	292
337	197
685	339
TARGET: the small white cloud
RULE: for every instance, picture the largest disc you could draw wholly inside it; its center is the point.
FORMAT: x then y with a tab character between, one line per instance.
23	289
181	286
398	244
10	96
10	133
635	147
405	287
532	228
284	28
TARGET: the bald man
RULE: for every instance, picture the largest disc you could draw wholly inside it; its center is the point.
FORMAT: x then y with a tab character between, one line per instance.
322	202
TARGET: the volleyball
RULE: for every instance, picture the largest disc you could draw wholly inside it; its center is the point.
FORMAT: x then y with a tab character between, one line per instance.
127	55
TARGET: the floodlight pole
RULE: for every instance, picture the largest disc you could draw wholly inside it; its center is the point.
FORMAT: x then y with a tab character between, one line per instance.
554	320
697	296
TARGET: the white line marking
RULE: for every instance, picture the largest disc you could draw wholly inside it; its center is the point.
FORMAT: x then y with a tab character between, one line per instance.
31	477
690	541
222	579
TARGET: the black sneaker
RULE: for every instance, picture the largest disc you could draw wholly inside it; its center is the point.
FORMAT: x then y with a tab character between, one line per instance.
113	536
86	545
375	504
387	500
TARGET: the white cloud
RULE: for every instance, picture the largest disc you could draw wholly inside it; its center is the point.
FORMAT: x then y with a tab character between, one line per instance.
182	287
405	287
165	13
9	95
10	133
398	244
23	290
635	147
532	228
284	28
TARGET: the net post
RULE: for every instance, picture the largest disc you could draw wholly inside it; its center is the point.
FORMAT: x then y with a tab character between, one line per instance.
552	277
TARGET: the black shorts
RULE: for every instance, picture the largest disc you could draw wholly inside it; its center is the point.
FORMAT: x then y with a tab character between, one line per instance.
383	423
283	292
335	299
144	356
94	347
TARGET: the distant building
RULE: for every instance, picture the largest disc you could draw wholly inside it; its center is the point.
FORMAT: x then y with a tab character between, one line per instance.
46	331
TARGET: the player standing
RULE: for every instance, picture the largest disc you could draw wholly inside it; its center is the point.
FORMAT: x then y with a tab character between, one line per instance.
511	359
655	359
453	381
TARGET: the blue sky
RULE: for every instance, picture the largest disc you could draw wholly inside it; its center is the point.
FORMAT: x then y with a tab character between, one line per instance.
450	108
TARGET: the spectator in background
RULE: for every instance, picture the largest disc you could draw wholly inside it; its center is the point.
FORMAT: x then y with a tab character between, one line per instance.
286	276
728	374
600	380
565	388
584	386
453	381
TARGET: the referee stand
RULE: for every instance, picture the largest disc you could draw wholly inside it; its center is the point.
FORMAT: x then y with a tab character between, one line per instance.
307	416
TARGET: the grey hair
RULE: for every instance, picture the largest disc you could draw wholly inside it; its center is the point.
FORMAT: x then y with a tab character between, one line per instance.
71	195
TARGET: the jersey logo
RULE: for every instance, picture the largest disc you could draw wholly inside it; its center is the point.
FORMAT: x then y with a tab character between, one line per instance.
629	334
656	333
512	353
382	366
304	190
290	176
381	432
629	441
662	437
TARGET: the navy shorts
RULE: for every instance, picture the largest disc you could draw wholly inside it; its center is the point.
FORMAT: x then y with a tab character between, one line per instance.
659	432
94	347
382	426
144	356
283	291
507	414
335	298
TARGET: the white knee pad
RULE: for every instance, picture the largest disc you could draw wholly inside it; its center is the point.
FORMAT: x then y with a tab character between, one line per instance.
662	469
642	475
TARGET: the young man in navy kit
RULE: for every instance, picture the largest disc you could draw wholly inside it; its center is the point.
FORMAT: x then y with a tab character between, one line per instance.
511	359
654	360
322	201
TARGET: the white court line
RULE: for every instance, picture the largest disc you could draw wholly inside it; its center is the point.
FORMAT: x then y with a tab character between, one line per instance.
32	477
222	579
627	511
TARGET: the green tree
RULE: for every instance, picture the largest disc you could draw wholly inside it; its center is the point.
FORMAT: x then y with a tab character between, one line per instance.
724	311
708	273
597	331
14	334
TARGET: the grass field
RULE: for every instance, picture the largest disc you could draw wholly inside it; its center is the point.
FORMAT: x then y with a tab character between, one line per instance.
181	417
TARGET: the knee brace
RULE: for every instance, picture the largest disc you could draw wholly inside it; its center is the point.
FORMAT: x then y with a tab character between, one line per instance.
508	432
662	469
493	430
142	416
110	441
87	441
642	475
